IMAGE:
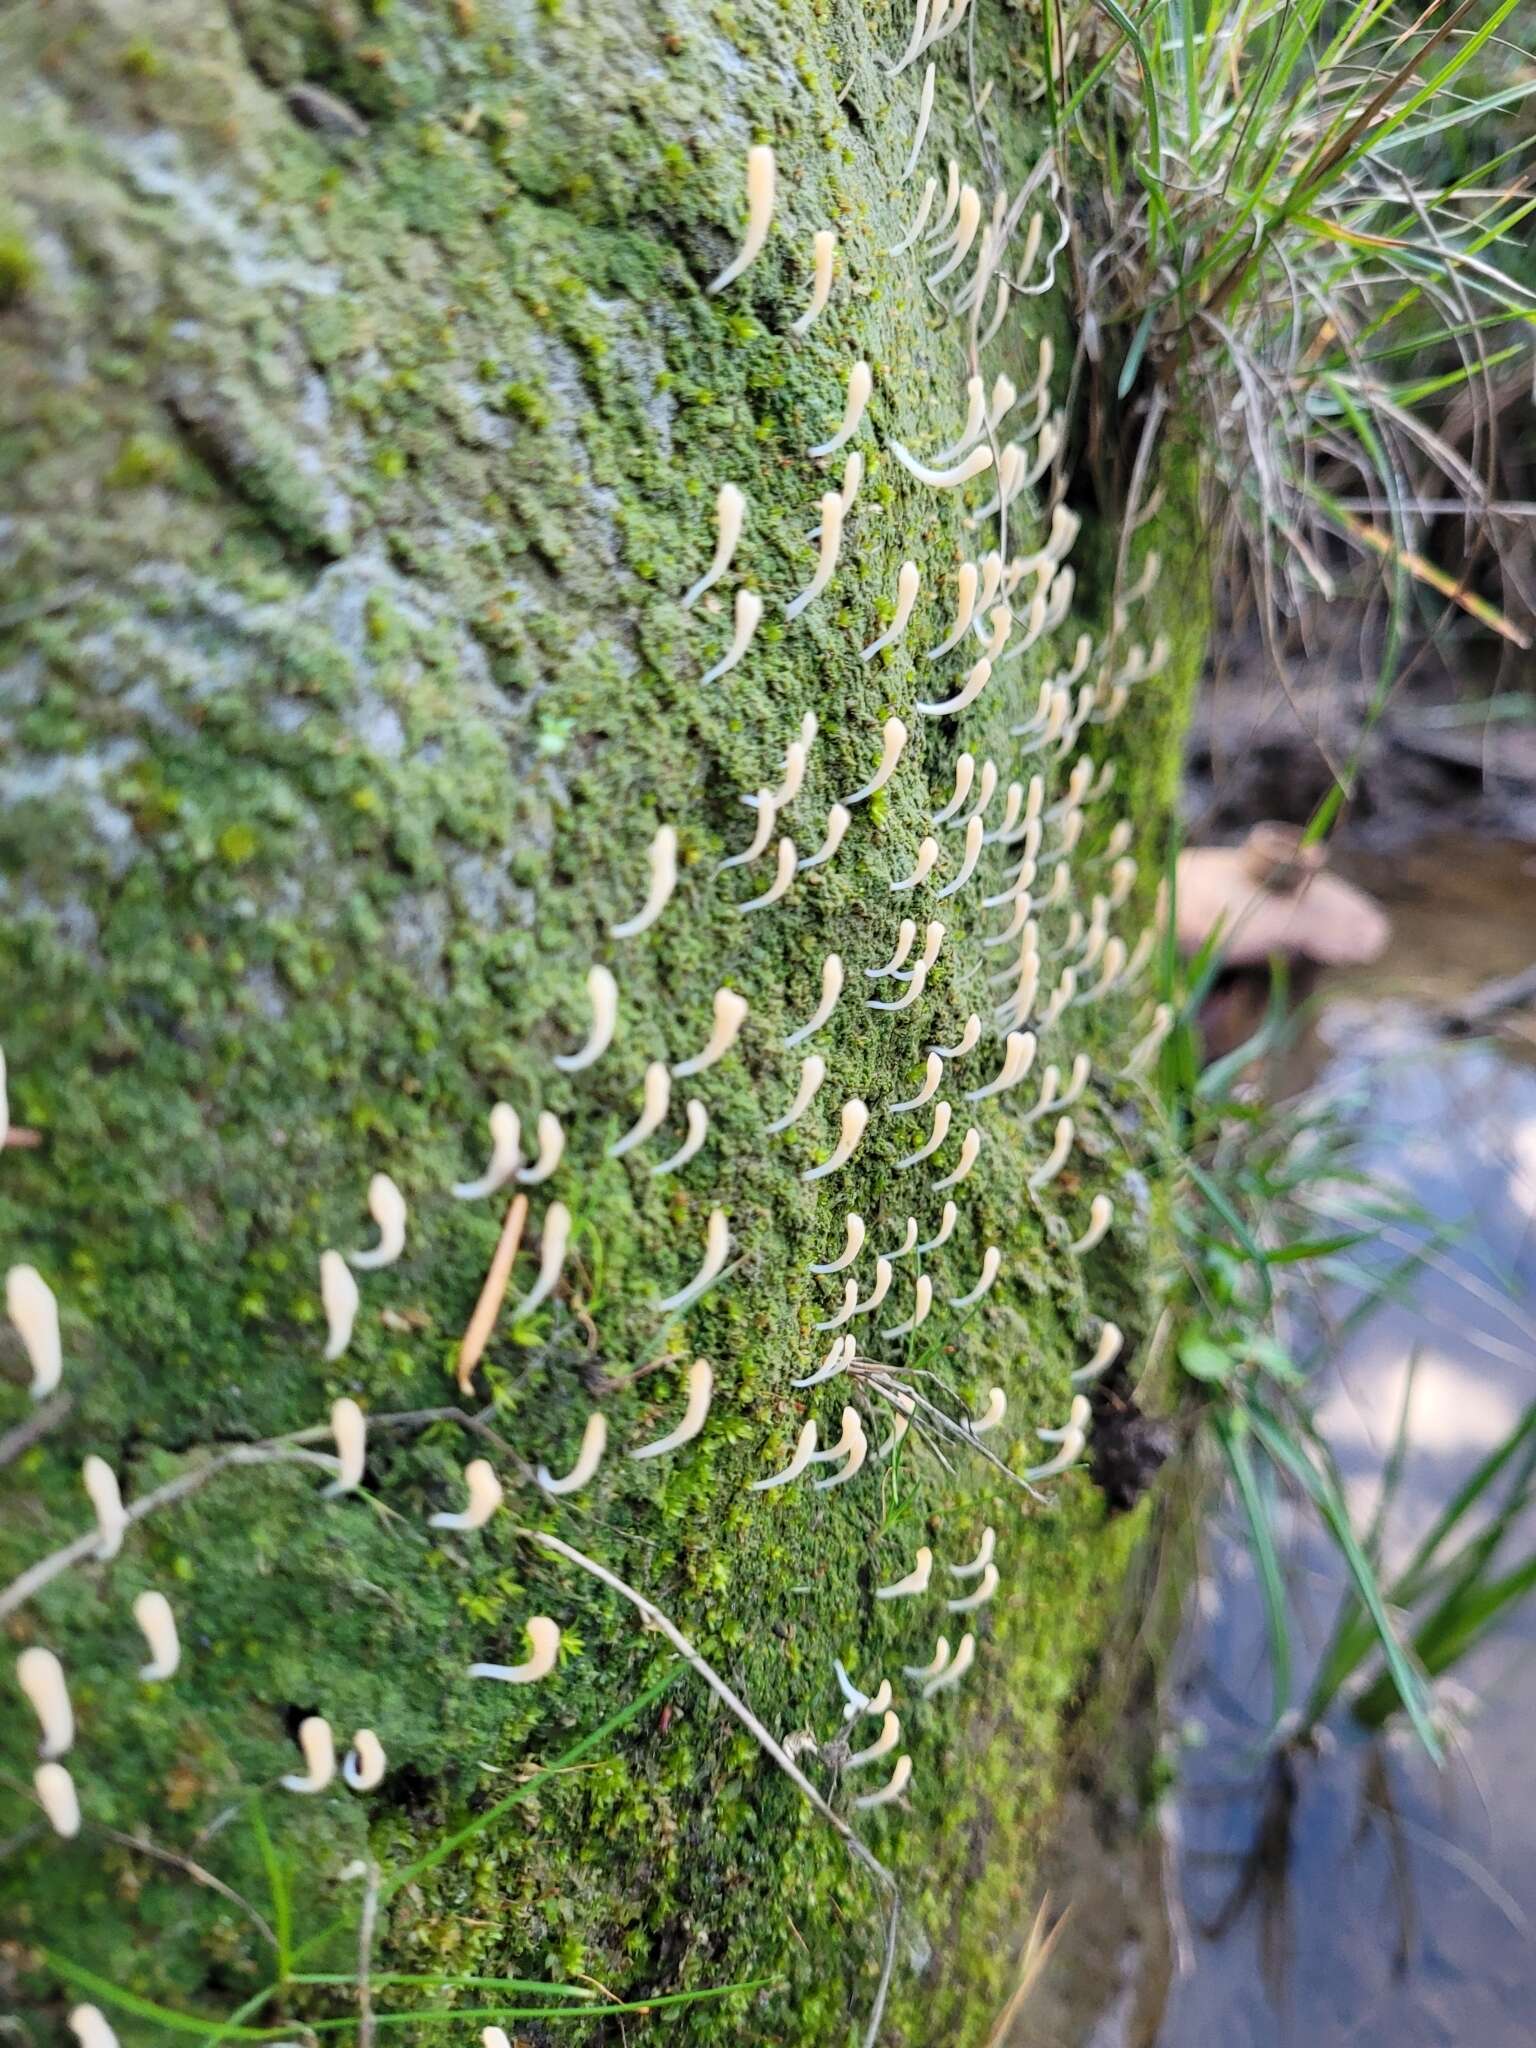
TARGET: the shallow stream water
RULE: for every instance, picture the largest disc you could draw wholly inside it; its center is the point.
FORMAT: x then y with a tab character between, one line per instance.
1369	1902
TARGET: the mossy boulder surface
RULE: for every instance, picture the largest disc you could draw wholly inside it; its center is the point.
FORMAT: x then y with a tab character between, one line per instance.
366	412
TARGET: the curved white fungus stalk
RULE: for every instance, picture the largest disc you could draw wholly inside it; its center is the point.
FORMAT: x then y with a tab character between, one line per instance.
1082	1067
969	1149
823	256
60	1802
922	1302
933	1074
860	384
975	422
41	1678
767	815
857	1450
554	1238
991	1266
992	1414
34	1312
965	775
967	220
969	1038
892	1789
985	790
919	219
971	466
976	681
349	1426
968	1603
967	578
701	1389
1061	995
551	1149
831	989
603	994
942	1115
1055	1159
927	857
920	132
840	1355
829	547
908	1241
760	184
945	1231
386	1205
594	1441
852	1245
813	1071
906	935
544	1651
506	1140
106	1498
1018	1057
90	2027
1101	1213
1073	1440
980	1561
730	517
893	737
748	617
974	833
999	313
364	1764
884	1742
916	1580
1122	879
1000	620
916	982
783	875
318	1747
717	1248
838	821
1107	1350
805	1450
935	1664
655	1100
853	1121
661	861
485	1497
881	1288
730	1012
844	1314
157	1621
908	582
955	1670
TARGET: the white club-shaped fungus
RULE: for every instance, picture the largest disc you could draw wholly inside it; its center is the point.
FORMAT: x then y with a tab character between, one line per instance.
853	1120
922	1302
860	384
916	982
41	1677
980	1561
853	1446
1107	1350
105	1496
90	2027
968	219
975	682
969	1038
945	1230
970	1148
823	257
60	1802
34	1312
971	466
813	1071
840	1355
767	807
916	1580
1073	1440
749	614
893	737
955	1670
730	1012
506	1140
906	936
924	207
892	1789
364	1764
717	1248
1101	1213
157	1622
991	1266
881	1288
701	1388
838	821
992	1414
783	875
1018	1058
349	1426
927	859
883	1744
942	1115
594	1441
831	989
853	1241
933	1074
318	1747
485	1497
1055	1159
919	133
655	1100
760	184
965	611
551	1142
828	549
965	775
339	1299
908	583
386	1205
844	1314
661	862
805	1450
975	831
603	995
544	1648
968	1603
553	1240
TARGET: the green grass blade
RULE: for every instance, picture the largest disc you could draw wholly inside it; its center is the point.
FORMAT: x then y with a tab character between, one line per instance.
1231	1434
105	1992
277	1886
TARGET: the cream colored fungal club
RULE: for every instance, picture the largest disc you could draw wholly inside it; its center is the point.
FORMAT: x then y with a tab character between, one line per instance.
840	1353
760	184
805	1451
1018	1058
783	876
60	1802
966	580
881	1288
975	422
730	517
543	1654
730	1014
969	1038
364	1764
853	1241
157	1622
551	1149
661	860
992	1414
852	1447
603	995
105	1496
485	1497
976	681
965	775
893	737
975	831
955	1670
838	820
594	1441
945	1232
908	582
980	1561
935	1664
701	1389
813	1071
767	816
908	1240
922	1302
506	1141
933	1074
1106	1351
919	133
844	1314
991	1266
906	936
1101	1214
968	1603
829	547
89	2025
696	1118
386	1205
970	1149
831	990
717	1248
1122	879
927	860
1073	1440
656	1098
34	1312
884	1742
317	1745
823	257
339	1298
968	219
1055	1159
919	219
349	1427
860	384
554	1238
965	471
916	982
901	1421
942	1115
1146	1049
41	1678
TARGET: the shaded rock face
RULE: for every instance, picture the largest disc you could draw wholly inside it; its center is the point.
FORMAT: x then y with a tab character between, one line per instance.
369	415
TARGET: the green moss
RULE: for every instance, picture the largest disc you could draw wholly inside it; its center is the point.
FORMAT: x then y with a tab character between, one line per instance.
333	747
18	267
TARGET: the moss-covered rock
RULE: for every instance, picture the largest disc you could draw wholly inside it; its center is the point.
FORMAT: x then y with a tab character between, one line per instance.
366	416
